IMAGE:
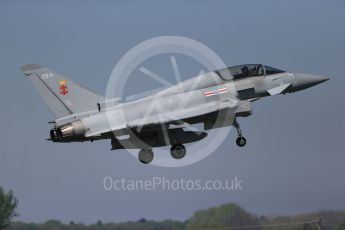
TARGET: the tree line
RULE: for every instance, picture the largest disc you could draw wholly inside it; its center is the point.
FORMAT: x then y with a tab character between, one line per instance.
227	216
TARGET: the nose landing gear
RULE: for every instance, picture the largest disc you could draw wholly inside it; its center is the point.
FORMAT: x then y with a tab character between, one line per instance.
240	141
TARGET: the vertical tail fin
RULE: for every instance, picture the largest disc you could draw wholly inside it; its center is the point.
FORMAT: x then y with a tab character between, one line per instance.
63	96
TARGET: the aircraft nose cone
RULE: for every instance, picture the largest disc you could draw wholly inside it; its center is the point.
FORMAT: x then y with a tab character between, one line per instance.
303	81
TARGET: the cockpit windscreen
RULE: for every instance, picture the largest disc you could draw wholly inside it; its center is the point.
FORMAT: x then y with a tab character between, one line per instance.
241	71
244	71
270	70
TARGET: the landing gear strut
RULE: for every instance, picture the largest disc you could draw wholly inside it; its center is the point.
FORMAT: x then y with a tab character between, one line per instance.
240	141
145	155
178	151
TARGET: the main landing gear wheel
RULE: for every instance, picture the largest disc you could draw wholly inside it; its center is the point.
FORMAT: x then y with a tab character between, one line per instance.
178	151
145	156
240	141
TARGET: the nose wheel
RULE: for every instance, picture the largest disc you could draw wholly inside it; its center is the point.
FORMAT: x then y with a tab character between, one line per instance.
240	141
145	155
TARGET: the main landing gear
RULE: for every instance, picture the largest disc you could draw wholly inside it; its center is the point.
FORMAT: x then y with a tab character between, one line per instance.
240	141
177	151
145	155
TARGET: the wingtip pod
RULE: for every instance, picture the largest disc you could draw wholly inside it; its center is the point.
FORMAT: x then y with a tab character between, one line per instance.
30	67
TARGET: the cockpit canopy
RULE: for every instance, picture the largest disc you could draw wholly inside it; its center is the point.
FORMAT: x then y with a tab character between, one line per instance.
244	71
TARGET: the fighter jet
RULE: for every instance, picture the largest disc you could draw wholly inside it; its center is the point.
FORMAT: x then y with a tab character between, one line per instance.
215	99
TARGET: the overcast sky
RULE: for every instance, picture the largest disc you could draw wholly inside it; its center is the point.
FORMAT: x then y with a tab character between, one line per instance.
294	158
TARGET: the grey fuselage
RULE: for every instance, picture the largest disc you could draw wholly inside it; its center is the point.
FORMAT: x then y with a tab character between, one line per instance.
228	85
